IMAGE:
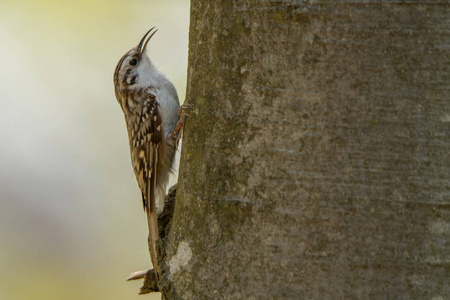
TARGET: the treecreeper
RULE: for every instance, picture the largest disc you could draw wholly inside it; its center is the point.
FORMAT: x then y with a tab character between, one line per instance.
151	108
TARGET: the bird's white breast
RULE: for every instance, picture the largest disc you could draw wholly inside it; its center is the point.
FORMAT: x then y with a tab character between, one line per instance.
165	91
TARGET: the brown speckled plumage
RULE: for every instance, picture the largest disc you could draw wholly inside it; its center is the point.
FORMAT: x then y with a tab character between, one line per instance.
149	103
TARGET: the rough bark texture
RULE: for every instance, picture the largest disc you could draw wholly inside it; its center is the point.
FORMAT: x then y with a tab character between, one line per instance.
316	160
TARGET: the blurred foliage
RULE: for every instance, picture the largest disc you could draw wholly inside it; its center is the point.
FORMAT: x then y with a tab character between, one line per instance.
71	219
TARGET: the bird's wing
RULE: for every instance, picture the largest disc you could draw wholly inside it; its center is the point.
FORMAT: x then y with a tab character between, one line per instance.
148	151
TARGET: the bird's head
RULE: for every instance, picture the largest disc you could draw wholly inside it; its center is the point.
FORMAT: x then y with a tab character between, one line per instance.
133	65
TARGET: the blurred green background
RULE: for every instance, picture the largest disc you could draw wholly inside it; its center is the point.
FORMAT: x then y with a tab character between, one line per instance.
71	219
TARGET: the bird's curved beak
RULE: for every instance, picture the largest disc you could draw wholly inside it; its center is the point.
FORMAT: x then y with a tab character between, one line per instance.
144	41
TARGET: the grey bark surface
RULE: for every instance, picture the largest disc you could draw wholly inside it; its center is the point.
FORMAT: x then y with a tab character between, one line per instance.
316	158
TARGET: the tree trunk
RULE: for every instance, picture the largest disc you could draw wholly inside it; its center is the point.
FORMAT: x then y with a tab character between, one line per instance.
316	158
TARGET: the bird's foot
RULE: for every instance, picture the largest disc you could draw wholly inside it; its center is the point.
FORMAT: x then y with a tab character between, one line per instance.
180	124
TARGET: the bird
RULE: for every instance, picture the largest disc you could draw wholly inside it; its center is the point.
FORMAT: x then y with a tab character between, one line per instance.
151	107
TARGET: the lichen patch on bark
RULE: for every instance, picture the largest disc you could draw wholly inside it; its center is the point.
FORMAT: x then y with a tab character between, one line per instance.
181	258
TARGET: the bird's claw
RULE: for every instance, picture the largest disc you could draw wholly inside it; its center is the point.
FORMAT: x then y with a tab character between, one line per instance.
180	124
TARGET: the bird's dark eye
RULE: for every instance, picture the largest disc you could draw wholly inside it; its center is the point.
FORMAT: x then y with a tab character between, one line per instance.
133	62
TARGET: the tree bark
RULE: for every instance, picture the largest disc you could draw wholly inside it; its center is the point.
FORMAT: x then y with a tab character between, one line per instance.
315	161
